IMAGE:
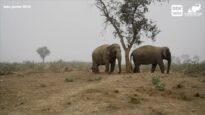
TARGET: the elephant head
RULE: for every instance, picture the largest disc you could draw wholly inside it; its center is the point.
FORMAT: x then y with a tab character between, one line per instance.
166	55
114	52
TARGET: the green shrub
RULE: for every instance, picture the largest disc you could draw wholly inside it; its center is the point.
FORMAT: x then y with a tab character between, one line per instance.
69	79
98	78
6	68
158	84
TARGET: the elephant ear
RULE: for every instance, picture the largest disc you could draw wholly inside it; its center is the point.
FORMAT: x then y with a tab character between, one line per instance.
165	52
108	52
110	48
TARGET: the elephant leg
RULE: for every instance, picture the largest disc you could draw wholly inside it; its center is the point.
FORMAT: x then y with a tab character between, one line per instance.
107	67
136	69
95	68
112	66
153	68
161	66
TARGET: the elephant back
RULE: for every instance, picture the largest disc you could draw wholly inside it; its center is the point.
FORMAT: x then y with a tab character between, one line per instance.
100	49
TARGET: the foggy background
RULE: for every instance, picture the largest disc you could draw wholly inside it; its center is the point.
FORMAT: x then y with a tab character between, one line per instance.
72	29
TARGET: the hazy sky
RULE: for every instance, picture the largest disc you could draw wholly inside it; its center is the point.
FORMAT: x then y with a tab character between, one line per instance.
71	29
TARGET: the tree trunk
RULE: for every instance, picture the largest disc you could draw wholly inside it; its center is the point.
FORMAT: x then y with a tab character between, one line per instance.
43	59
127	61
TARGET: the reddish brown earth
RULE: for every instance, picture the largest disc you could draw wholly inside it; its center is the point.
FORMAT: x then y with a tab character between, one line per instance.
106	94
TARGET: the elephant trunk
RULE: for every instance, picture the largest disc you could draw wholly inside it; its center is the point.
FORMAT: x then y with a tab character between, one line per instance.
169	63
119	57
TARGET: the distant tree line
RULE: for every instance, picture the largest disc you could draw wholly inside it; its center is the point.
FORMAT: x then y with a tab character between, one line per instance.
186	59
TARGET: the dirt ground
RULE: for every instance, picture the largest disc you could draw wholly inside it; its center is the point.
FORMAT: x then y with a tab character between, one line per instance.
102	94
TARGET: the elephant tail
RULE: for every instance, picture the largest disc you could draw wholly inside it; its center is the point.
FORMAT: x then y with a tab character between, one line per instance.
131	58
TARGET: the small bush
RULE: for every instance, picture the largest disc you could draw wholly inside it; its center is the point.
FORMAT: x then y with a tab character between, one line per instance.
155	80
6	68
98	78
158	84
135	100
69	79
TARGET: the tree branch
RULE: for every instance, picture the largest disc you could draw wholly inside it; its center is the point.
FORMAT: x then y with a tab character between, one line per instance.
133	29
105	11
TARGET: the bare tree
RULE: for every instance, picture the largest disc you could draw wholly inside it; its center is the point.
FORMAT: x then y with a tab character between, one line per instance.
186	58
196	59
129	22
43	52
176	60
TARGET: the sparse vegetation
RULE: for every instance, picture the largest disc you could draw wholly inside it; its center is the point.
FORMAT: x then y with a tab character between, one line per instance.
98	78
189	68
55	66
69	79
158	83
135	100
6	69
188	65
107	93
63	66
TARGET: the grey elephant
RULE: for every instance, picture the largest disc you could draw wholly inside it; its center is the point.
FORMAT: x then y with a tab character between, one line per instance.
106	55
151	55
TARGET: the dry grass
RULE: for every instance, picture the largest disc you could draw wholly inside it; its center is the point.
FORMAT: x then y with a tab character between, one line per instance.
69	87
56	66
47	93
62	66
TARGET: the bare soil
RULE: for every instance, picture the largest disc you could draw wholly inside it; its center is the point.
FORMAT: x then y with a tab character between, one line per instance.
107	94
